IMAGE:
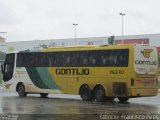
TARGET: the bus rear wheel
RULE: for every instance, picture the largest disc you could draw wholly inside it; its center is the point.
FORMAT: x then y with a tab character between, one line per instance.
86	93
123	99
21	90
44	95
110	98
100	94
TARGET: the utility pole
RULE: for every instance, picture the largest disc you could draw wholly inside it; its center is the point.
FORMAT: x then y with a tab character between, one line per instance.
75	24
122	14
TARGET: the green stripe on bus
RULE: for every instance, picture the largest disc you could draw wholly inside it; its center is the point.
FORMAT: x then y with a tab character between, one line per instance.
46	77
35	77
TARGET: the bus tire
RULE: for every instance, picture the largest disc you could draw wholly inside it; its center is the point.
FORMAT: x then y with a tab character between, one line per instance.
100	94
110	98
21	90
44	95
86	93
123	99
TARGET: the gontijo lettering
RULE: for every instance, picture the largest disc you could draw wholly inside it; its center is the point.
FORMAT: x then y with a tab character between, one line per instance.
74	71
142	62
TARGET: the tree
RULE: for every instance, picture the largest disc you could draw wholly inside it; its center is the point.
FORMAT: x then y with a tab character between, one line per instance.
44	46
11	48
2	55
111	40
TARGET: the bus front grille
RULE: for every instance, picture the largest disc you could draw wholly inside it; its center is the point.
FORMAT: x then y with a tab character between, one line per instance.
119	88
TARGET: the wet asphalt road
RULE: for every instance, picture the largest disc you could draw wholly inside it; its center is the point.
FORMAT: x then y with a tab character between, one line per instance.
70	107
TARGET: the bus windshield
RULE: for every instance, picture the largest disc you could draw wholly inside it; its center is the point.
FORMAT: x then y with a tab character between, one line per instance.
8	67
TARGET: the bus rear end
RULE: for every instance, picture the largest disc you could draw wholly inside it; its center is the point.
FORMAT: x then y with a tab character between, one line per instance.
145	80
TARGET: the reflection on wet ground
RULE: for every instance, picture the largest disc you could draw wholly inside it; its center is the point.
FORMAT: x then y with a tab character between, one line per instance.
53	107
36	105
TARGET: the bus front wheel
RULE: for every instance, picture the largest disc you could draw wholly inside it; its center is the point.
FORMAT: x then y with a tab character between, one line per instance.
21	90
44	95
86	93
100	94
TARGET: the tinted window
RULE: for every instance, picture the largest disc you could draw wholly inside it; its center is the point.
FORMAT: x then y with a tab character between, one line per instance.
8	67
96	58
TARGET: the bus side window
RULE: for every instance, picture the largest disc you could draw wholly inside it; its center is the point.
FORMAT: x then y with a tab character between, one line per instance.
84	58
115	61
93	58
121	60
19	60
26	60
104	60
51	59
111	60
42	59
59	59
75	59
32	60
66	59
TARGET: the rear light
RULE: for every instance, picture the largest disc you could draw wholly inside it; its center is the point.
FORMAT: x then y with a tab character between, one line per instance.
132	81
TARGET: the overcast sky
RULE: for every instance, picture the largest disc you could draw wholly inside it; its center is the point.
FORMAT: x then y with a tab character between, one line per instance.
52	19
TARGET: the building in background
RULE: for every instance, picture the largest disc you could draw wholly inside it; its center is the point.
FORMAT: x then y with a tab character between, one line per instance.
38	44
133	41
158	49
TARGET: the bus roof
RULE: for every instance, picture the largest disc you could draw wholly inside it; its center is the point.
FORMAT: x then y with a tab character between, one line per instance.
82	47
87	47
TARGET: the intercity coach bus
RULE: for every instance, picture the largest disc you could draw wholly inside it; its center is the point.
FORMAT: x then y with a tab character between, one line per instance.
94	72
